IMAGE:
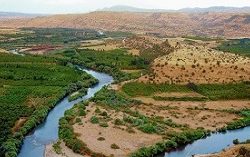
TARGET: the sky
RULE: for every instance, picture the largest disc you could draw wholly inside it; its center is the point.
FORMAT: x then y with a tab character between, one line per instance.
82	6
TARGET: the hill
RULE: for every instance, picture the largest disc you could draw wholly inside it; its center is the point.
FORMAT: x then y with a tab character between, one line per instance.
231	25
14	15
124	8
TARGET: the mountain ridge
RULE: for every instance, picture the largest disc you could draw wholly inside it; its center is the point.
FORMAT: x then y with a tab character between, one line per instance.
124	8
230	25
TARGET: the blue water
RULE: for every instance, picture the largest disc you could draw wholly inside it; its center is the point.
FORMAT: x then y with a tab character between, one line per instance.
47	132
212	144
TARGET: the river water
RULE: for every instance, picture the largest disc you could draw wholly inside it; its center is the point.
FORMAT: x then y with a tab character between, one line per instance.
47	132
212	144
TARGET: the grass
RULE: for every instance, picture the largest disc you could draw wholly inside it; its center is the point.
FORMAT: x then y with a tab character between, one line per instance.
238	46
180	98
202	38
225	91
210	91
141	89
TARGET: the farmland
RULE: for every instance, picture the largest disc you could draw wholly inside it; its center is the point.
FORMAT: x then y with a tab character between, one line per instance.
167	92
30	86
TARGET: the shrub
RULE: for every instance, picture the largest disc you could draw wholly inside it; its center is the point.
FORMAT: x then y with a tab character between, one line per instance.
118	121
104	124
236	141
57	148
104	113
78	120
82	112
114	146
100	138
94	120
148	128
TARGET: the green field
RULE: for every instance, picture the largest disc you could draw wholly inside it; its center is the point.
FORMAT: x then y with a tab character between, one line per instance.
29	87
210	91
46	36
111	62
238	46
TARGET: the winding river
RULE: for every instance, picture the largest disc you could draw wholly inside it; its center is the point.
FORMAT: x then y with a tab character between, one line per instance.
46	133
212	144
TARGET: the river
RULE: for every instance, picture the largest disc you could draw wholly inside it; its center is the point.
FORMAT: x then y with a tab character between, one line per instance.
46	133
212	144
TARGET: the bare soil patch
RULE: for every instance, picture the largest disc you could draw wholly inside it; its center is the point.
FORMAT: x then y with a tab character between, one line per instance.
127	142
19	123
209	115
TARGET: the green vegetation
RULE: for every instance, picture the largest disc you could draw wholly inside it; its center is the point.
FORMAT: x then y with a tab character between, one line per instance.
225	91
175	140
142	89
180	98
57	148
111	62
46	36
210	91
243	122
66	132
30	86
117	34
238	46
112	99
94	120
202	38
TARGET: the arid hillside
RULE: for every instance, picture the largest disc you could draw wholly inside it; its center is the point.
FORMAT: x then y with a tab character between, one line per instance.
178	24
198	64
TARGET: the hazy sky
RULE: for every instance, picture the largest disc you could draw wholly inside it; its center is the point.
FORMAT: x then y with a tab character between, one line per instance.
81	6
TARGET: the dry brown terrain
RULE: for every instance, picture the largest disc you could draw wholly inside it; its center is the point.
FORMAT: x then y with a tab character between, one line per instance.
3	51
209	115
90	133
198	64
177	24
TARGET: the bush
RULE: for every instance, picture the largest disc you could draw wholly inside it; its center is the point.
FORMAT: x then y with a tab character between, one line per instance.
94	120
148	128
236	141
118	121
104	124
78	120
114	146
100	138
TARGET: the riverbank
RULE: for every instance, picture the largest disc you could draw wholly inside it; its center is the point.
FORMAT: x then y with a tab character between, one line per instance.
47	132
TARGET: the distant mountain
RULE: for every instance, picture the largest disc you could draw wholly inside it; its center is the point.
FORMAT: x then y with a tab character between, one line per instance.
121	8
217	9
231	25
15	15
124	8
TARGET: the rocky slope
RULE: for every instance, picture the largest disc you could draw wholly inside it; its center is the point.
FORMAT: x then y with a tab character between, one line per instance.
178	24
